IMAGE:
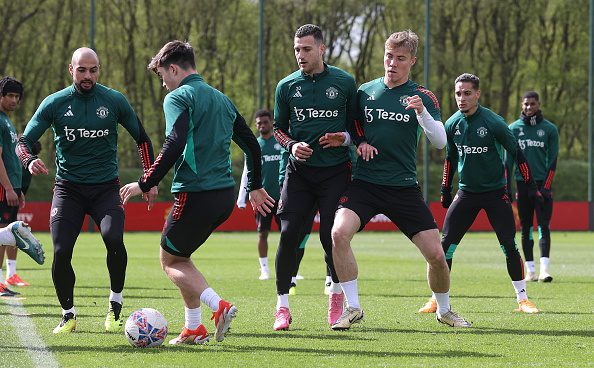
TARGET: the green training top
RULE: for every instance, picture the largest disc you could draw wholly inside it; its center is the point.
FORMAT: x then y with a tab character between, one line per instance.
392	130
271	157
85	127
540	145
476	143
307	107
9	138
205	163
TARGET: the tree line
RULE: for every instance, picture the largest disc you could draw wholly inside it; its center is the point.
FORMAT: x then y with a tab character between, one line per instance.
512	45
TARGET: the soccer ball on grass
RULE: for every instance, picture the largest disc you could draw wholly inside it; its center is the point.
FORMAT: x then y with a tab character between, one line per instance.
146	328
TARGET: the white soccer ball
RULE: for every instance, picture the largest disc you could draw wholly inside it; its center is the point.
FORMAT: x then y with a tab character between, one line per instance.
146	328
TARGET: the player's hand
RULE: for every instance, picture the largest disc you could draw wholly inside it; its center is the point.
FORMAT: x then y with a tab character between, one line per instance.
261	201
128	191
22	201
151	197
37	167
329	140
446	197
301	151
12	199
546	193
366	151
416	103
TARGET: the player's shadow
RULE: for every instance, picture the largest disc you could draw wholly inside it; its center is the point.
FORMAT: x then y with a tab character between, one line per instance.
106	287
485	331
292	335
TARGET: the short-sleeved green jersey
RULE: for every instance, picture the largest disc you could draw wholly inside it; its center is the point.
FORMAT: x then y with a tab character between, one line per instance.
477	143
271	157
540	145
392	130
9	138
205	163
307	107
85	127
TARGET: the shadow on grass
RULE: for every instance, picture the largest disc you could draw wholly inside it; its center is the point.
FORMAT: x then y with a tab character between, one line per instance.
106	286
487	331
245	349
333	336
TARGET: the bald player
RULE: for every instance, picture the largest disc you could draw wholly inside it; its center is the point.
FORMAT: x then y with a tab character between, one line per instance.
84	118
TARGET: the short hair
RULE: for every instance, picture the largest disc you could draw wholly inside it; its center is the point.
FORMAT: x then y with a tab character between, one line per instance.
531	94
310	30
406	39
174	52
11	85
262	112
467	77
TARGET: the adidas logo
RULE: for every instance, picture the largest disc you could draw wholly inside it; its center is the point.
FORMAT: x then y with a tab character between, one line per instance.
371	98
298	94
457	132
69	112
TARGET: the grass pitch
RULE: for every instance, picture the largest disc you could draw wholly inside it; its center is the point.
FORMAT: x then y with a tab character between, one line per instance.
392	285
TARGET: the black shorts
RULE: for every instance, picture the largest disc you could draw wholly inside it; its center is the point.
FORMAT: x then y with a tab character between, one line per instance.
72	201
404	206
263	223
8	213
193	217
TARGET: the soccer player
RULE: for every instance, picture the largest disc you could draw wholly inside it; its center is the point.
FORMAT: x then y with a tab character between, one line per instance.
476	140
393	110
200	123
271	157
11	195
84	118
539	140
314	106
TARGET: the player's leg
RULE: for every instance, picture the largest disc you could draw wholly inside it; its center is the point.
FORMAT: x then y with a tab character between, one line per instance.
329	191
108	213
192	219
544	212
66	218
296	201
263	224
6	217
303	238
526	214
500	214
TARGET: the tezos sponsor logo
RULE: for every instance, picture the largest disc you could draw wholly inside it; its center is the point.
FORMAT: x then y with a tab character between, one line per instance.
371	114
303	114
71	133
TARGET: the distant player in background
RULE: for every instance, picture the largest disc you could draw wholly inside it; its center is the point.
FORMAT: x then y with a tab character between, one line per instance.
11	195
477	138
200	124
271	156
539	140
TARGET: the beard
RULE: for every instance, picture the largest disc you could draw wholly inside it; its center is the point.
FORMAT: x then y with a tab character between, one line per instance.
80	88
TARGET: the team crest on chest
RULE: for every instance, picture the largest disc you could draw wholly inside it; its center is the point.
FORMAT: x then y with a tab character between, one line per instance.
540	133
482	132
102	112
404	100
332	93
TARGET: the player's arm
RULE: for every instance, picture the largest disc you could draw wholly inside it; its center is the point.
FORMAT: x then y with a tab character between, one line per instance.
300	150
364	149
506	138
509	175
39	123
449	169
245	139
428	114
12	199
552	153
243	187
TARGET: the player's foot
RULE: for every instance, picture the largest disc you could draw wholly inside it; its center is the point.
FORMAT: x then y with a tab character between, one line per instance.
335	307
15	280
222	319
299	277
347	318
526	306
264	274
531	276
452	319
114	321
67	324
282	319
544	277
198	336
293	289
429	307
26	242
327	288
6	292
